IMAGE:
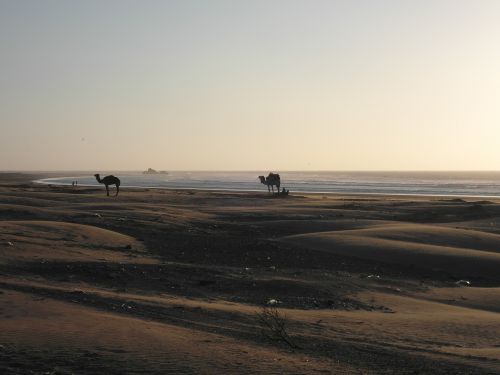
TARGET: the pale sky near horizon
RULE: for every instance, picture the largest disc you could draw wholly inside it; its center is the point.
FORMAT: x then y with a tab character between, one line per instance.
250	85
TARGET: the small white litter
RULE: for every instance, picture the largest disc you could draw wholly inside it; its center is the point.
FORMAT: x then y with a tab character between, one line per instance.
463	283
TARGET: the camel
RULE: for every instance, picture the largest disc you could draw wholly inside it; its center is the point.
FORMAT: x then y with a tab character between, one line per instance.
273	179
109	180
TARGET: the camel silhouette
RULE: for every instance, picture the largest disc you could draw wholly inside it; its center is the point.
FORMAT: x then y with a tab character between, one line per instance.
273	179
109	180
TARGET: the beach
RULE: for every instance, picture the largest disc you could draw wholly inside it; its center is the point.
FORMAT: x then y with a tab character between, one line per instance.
484	184
175	281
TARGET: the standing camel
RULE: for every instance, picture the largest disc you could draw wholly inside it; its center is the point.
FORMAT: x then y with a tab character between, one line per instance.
109	180
273	179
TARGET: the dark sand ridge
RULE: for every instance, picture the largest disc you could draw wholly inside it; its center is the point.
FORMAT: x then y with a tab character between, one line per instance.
78	242
169	282
467	253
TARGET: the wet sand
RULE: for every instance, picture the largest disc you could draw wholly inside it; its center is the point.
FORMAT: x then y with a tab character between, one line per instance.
158	281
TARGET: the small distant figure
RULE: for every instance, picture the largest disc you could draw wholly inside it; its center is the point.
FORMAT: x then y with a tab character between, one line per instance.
109	180
285	192
73	184
273	179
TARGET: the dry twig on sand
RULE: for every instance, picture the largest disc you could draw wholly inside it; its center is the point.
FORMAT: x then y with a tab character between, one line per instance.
274	325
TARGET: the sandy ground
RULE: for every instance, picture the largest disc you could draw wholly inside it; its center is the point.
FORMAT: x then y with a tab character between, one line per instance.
173	282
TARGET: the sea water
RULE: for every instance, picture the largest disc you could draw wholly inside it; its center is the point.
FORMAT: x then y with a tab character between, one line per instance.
484	184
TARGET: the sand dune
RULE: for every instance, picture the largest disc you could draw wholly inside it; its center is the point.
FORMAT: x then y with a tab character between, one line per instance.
487	299
50	241
64	332
460	252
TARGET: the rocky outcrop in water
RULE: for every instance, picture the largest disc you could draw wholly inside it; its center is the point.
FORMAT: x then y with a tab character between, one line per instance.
153	171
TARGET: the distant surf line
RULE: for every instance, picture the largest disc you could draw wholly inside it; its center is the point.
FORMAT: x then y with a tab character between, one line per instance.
421	184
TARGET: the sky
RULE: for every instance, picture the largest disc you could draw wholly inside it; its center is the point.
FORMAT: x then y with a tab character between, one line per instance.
250	85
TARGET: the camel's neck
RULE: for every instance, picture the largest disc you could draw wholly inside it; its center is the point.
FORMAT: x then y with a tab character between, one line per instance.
98	178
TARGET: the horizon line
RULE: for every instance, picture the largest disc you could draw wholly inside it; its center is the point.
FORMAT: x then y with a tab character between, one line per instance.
257	170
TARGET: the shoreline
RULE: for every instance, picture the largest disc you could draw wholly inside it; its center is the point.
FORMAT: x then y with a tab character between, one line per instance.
46	182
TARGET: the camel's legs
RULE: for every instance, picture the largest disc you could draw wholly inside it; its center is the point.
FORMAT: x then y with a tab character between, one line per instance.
107	190
117	190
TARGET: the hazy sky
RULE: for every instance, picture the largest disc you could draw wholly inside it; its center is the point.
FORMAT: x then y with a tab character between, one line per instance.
260	85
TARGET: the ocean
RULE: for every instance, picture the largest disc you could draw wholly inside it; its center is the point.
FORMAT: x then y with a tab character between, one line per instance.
477	184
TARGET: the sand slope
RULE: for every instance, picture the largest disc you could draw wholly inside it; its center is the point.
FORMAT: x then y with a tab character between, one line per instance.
455	251
51	241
